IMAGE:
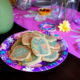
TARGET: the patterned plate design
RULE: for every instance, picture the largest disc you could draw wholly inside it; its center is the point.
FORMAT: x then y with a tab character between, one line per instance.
5	47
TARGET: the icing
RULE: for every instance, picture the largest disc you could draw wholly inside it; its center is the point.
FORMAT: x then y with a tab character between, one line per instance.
40	46
20	52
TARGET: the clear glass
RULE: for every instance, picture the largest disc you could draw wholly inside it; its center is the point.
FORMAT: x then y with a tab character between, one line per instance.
23	4
68	9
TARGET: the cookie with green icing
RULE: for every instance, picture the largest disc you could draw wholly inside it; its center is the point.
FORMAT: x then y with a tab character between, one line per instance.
16	43
57	47
39	34
52	57
27	37
30	62
52	44
40	46
20	53
50	38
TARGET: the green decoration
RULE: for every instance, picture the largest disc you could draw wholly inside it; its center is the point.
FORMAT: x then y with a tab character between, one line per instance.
6	16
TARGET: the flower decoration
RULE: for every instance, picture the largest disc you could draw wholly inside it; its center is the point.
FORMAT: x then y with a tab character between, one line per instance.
3	46
28	69
65	26
10	39
47	26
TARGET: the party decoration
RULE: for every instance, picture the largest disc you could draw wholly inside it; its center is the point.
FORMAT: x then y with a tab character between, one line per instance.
78	46
6	16
76	36
76	31
44	11
77	21
65	26
47	26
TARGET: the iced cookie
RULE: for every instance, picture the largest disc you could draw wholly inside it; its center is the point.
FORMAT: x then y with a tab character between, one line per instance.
20	53
52	44
50	38
57	47
27	37
17	42
34	60
39	33
40	46
54	56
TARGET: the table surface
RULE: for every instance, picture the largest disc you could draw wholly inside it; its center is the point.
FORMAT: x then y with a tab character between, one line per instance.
68	70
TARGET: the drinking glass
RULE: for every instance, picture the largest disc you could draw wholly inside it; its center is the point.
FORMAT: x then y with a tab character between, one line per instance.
23	4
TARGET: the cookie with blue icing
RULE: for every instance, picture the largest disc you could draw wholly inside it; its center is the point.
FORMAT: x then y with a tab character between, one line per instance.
32	60
52	44
16	43
39	34
20	53
50	38
40	46
56	47
27	37
52	57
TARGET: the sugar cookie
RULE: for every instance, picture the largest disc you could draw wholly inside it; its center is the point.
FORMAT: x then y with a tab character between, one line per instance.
39	33
17	42
50	38
57	47
54	56
40	46
20	53
27	37
34	60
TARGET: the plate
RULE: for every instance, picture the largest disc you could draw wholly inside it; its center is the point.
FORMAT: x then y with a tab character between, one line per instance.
6	45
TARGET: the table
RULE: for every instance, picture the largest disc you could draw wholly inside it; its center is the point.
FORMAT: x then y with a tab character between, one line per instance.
68	70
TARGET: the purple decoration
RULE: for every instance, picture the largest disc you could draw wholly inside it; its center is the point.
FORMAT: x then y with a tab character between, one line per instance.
50	26
45	65
78	46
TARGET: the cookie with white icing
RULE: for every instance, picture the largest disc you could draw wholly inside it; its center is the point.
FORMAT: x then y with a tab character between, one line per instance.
52	57
20	53
40	46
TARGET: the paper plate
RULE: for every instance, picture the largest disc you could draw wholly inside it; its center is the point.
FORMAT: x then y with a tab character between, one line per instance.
6	45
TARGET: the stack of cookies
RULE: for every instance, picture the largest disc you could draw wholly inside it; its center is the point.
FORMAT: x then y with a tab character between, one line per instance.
34	47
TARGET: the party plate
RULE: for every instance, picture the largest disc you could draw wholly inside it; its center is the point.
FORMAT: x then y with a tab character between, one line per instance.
6	45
